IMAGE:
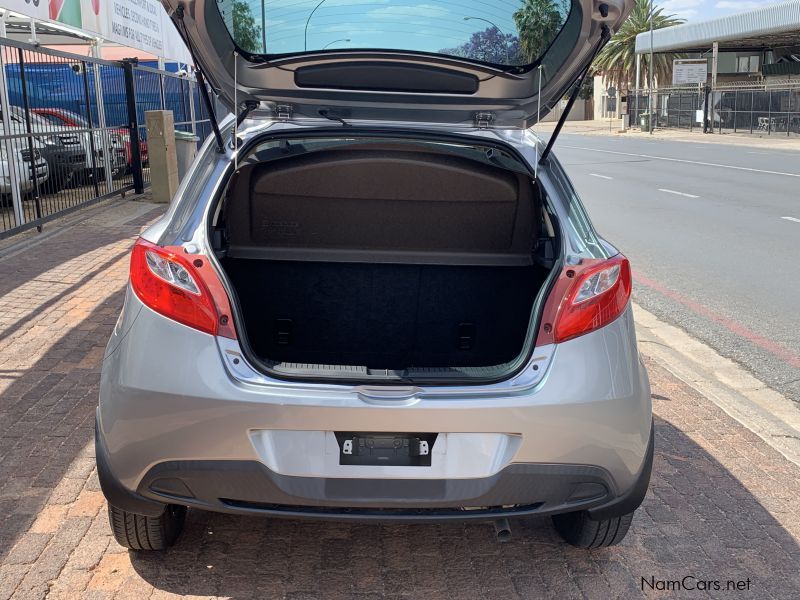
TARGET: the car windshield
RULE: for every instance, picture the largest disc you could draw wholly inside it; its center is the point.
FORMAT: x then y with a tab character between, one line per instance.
39	122
503	32
79	120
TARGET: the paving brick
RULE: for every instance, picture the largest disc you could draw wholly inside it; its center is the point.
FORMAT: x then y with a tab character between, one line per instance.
27	549
50	519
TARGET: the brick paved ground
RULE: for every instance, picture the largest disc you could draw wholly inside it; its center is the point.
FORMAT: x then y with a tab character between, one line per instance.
722	505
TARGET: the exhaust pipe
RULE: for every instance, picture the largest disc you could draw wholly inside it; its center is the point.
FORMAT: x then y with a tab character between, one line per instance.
502	529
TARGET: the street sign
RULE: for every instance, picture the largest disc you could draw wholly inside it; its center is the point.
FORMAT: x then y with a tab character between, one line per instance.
612	92
689	70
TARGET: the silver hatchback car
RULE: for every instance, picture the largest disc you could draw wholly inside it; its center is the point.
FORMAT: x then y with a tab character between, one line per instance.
377	296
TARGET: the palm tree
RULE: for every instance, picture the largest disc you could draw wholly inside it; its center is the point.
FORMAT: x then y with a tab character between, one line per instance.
617	61
538	22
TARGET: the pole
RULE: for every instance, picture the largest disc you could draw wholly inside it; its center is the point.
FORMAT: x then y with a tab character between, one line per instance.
638	78
308	20
133	127
650	72
714	57
101	115
11	151
92	146
264	27
37	199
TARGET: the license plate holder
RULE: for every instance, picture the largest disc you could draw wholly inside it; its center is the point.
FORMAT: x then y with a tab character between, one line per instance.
385	449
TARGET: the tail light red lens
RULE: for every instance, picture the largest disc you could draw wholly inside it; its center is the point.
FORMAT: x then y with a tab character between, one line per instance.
586	297
182	287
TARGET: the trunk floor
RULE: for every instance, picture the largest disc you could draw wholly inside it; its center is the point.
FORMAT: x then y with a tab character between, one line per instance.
384	316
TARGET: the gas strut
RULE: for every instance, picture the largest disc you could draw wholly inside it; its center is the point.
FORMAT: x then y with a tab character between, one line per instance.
604	37
212	115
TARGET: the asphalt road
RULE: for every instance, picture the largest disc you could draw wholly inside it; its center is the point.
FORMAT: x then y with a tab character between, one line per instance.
713	234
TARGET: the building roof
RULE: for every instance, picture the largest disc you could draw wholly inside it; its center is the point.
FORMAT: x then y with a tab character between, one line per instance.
767	27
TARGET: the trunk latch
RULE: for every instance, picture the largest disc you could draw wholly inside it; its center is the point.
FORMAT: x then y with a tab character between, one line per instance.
283	112
483	120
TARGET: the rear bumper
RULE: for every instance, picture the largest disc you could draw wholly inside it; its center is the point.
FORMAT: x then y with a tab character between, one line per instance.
179	427
249	487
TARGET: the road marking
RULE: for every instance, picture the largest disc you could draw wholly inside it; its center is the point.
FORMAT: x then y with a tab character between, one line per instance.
677	193
683	160
795	219
786	355
600	176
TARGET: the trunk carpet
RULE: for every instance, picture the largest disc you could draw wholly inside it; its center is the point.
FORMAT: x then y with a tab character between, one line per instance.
384	316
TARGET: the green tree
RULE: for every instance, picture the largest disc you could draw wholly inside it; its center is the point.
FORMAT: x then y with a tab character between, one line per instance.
246	32
538	23
617	61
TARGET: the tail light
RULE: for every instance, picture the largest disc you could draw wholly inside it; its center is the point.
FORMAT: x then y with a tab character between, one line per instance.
183	287
586	297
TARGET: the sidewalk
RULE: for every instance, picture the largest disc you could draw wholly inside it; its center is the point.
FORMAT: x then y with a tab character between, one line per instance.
723	505
602	127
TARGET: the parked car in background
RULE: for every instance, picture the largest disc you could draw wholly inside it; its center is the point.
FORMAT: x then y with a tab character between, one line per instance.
119	138
16	154
24	167
381	298
65	151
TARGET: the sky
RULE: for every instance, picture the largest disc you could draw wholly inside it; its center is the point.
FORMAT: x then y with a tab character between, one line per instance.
427	25
701	10
424	25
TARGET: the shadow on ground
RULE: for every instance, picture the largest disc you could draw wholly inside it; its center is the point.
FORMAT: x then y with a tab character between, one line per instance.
697	520
47	409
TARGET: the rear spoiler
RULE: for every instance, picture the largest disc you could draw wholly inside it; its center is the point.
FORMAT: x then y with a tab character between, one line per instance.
604	37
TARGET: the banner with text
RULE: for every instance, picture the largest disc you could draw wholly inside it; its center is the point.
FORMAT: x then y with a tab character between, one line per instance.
141	24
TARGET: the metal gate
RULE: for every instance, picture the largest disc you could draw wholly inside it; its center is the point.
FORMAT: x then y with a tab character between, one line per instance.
72	129
750	107
674	108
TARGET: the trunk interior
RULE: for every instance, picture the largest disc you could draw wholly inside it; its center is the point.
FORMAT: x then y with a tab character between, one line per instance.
383	258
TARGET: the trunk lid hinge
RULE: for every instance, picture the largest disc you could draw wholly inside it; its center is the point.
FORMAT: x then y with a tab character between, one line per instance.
249	106
483	120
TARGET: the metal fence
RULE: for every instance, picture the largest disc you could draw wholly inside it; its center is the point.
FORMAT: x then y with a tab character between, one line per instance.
73	129
772	109
674	108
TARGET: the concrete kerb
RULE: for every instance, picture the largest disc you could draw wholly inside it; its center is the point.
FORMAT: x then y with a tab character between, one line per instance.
762	410
600	127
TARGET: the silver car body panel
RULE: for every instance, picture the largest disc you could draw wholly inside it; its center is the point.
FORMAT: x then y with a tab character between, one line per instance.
166	394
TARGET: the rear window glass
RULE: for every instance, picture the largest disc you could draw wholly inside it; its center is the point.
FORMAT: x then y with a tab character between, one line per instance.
500	32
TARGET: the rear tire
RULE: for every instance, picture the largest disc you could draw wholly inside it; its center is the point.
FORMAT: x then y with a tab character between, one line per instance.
140	532
579	530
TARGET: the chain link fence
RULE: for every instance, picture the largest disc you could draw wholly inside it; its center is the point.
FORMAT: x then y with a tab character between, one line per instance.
72	130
